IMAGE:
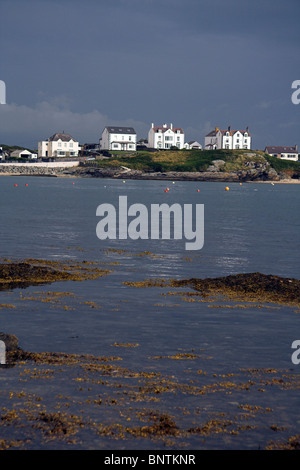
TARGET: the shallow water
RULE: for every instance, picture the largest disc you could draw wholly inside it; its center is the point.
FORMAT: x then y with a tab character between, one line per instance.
250	228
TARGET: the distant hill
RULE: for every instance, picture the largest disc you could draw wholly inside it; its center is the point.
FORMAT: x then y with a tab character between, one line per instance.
11	148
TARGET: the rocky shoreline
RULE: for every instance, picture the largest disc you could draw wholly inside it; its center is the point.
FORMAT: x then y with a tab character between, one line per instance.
214	174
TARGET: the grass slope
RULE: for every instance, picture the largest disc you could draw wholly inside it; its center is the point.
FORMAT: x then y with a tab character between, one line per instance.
197	160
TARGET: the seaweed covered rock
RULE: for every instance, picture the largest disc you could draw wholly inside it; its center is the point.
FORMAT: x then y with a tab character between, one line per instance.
35	272
11	342
23	274
250	286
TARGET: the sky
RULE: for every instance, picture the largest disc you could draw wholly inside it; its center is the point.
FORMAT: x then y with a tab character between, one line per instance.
77	66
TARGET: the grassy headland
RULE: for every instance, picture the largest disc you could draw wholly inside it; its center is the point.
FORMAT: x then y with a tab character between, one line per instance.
200	161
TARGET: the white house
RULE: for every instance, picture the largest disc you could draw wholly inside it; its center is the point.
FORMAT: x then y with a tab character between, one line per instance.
118	138
228	139
193	145
58	145
23	153
285	153
165	137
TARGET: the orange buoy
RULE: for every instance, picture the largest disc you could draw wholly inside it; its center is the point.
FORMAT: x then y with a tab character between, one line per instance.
16	185
26	184
226	189
198	190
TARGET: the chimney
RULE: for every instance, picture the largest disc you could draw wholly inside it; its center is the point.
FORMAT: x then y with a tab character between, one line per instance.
296	148
165	125
229	128
171	126
152	125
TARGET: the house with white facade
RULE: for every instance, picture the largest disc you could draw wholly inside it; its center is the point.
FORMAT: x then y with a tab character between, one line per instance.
23	153
193	145
228	139
285	153
165	137
58	145
118	138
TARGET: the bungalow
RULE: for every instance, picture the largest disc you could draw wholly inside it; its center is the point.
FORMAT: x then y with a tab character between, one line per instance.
193	145
228	139
118	138
58	145
23	154
285	153
165	137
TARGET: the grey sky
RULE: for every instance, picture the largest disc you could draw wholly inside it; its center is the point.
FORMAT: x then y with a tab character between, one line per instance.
78	66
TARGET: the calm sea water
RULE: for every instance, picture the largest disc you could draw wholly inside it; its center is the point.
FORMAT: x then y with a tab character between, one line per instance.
250	228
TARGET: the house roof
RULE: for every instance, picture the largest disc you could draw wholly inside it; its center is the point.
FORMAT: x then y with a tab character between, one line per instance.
164	129
223	132
120	130
64	137
279	149
17	152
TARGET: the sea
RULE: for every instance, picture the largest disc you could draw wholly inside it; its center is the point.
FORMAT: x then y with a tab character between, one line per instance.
200	346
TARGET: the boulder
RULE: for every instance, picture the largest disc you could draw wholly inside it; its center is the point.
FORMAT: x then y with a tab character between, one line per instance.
11	342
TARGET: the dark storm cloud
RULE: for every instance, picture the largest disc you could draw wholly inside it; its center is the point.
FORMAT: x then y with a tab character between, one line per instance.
195	63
